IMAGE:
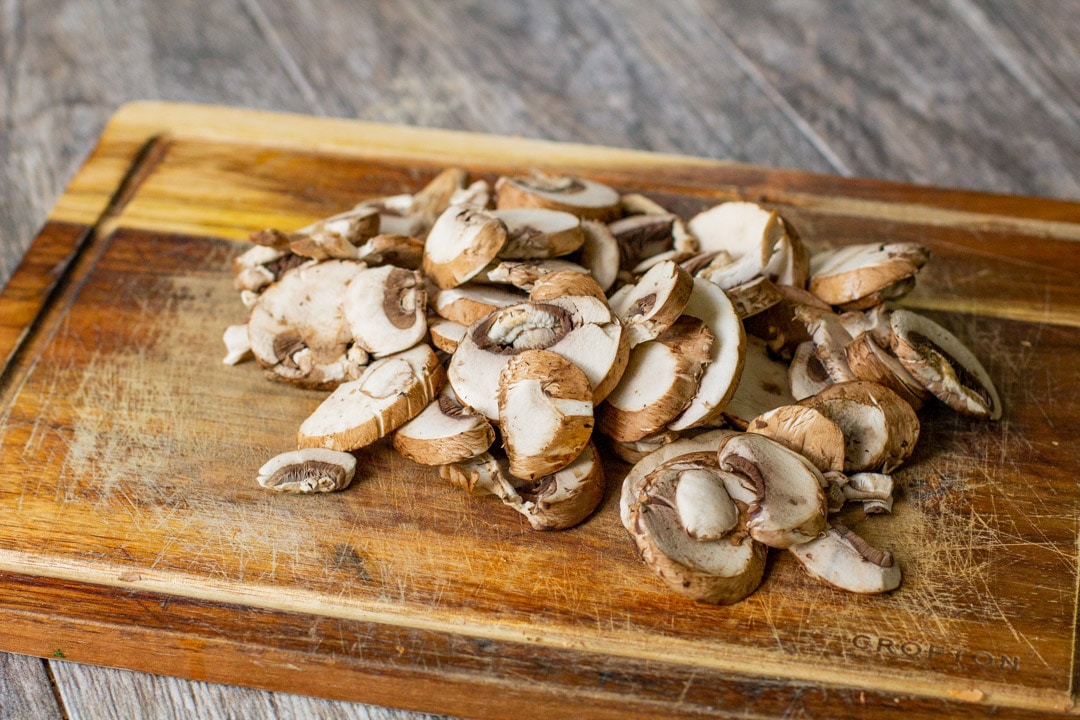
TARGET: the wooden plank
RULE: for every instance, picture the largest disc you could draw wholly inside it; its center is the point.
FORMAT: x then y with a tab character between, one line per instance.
120	493
25	689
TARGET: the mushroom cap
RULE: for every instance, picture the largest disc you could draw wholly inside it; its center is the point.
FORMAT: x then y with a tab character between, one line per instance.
565	283
539	233
869	361
848	274
641	236
807	375
463	240
444	432
753	297
445	334
843	560
652	305
807	432
587	199
386	309
310	470
403	251
337	236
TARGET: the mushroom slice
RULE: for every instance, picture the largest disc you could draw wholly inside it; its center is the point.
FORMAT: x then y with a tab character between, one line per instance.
483	475
744	233
790	263
763	385
337	236
880	429
642	236
466	304
310	470
565	283
545	412
587	199
633	451
807	432
660	381
524	274
237	344
537	233
753	297
789	505
600	253
675	256
478	194
683	239
778	324
806	375
944	365
830	338
847	275
843	560
262	265
868	361
686	528
386	309
391	392
400	250
566	497
445	334
873	490
461	243
434	198
581	329
444	432
652	305
720	380
396	216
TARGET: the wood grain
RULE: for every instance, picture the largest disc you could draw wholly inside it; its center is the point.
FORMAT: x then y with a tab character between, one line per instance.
25	689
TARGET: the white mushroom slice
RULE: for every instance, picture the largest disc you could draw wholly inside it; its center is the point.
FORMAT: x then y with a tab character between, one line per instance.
675	256
843	560
478	194
789	506
944	365
237	344
830	341
632	452
566	283
466	304
434	198
807	432
880	429
691	533
524	274
790	263
744	232
660	381
763	385
566	497
337	236
753	297
461	243
683	239
641	236
298	328
585	198
581	329
718	385
545	412
262	265
386	308
874	322
652	305
311	470
850	274
868	361
400	250
445	334
483	475
537	233
444	432
806	375
873	490
391	392
600	253
396	216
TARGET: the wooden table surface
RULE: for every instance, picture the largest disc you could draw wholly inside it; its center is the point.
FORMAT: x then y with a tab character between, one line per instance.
982	95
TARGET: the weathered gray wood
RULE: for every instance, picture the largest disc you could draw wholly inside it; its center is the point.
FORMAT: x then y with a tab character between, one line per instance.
25	691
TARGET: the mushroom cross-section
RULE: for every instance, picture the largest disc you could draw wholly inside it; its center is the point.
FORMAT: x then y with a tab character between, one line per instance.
444	432
536	233
843	560
386	308
585	198
654	303
461	243
310	470
743	233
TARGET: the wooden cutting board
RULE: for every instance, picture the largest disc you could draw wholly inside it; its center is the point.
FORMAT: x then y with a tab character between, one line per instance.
132	532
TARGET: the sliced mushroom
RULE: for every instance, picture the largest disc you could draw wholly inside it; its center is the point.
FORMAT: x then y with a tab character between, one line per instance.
262	265
477	194
466	304
524	274
483	475
396	216
807	375
778	324
753	297
762	386
338	236
461	243
868	361
237	344
444	432
600	253
880	429
744	233
683	239
944	365
433	199
585	198
873	490
843	560
538	233
652	305
860	276
545	412
789	505
830	339
642	236
566	497
445	334
632	452
645	265
790	262
807	432
400	250
310	470
660	381
687	529
391	392
386	308
566	283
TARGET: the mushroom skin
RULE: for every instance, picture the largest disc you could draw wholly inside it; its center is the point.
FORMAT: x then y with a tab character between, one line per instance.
807	432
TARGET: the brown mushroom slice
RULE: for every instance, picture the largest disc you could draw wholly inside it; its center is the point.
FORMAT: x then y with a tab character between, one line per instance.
461	243
652	305
566	497
444	432
386	308
337	236
400	250
763	385
675	256
396	216
806	375
778	324
310	470
743	232
790	262
753	297
641	236
566	283
789	505
433	199
720	380
868	361
880	429
944	365
466	304
849	274
477	194
600	253
445	334
873	490
391	392
661	379
843	560
524	274
538	233
261	265
237	344
830	339
685	525
807	432
586	199
545	412
483	475
581	329
633	451
682	239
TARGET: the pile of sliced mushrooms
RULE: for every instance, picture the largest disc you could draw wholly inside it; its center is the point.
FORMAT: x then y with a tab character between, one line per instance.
489	330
